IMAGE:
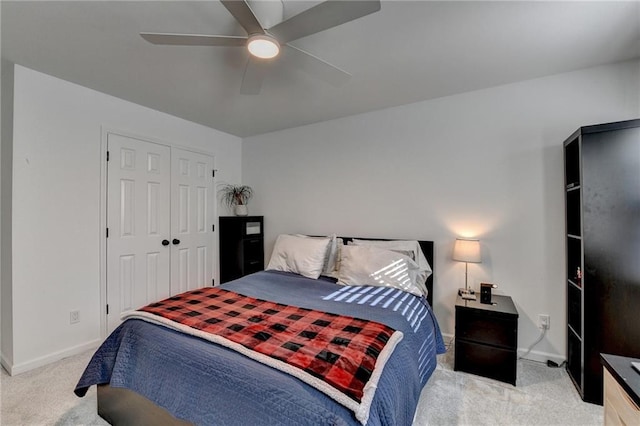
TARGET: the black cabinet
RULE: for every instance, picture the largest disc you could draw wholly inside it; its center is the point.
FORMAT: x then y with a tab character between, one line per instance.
487	338
241	246
602	207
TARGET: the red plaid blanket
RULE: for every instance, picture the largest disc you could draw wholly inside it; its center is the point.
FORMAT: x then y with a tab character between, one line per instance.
346	353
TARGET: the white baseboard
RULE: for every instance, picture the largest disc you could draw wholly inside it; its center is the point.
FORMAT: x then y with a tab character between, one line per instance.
537	356
23	367
543	357
447	338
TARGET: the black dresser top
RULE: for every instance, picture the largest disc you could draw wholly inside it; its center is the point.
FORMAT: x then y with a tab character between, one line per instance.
499	304
620	368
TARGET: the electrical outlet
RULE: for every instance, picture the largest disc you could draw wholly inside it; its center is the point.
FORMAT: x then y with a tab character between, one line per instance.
544	322
74	317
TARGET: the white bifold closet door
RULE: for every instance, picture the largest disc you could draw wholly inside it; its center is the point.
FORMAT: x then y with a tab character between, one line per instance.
191	220
159	219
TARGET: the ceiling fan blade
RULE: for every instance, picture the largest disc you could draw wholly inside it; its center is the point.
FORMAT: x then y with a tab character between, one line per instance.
254	73
244	15
323	16
315	66
194	39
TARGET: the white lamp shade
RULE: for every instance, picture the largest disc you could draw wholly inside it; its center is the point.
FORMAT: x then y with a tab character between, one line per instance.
466	251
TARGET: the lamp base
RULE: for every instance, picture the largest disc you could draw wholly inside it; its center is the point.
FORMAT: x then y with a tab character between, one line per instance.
467	294
463	291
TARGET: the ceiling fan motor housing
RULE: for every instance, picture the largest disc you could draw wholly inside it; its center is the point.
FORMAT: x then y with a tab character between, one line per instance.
263	46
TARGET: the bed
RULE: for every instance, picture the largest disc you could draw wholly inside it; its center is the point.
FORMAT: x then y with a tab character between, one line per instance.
149	373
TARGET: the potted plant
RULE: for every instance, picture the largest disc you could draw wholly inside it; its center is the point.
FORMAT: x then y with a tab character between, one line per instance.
236	197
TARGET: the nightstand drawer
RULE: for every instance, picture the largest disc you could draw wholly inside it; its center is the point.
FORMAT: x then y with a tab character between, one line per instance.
252	266
619	408
253	249
488	361
483	327
253	255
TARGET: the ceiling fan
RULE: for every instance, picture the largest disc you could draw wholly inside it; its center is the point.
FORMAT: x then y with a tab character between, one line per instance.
264	45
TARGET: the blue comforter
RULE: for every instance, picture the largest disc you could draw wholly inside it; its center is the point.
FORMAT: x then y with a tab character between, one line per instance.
208	384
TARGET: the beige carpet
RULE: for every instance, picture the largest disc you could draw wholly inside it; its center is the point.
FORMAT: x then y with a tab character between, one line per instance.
544	396
44	396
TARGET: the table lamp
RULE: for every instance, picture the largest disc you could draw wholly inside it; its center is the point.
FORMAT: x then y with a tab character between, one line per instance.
467	251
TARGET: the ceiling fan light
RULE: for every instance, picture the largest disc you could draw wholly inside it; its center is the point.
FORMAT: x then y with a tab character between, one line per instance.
263	46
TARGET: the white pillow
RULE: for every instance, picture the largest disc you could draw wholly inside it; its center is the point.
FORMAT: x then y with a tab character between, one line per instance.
404	246
331	264
304	256
367	265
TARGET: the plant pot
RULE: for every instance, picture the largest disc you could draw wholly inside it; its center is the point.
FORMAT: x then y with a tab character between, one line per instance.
240	210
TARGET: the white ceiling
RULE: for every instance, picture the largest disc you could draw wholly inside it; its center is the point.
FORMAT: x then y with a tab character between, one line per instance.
409	51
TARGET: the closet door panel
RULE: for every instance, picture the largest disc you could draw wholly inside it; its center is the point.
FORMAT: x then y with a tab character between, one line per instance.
192	217
138	191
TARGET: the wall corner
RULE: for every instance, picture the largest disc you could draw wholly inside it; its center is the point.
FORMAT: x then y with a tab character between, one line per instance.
6	194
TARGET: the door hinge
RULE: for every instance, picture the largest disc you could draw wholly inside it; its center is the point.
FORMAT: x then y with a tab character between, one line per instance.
213	228
213	173
107	232
213	282
107	309
107	155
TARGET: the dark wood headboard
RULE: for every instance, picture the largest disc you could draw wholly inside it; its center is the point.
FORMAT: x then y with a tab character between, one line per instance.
427	249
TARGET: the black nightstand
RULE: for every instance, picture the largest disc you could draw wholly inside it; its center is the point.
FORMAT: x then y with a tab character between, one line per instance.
241	246
487	338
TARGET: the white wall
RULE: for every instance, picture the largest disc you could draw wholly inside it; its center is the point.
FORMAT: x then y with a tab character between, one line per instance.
56	205
484	164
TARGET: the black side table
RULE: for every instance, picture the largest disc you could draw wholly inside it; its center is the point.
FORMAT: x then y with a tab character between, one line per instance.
241	246
486	342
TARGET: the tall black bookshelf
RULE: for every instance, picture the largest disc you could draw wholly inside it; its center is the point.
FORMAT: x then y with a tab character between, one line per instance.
602	207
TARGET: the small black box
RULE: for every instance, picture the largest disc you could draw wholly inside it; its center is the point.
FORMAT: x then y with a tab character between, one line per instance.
485	292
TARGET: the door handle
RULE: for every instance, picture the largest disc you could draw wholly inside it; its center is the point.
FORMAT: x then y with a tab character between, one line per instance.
176	241
165	242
